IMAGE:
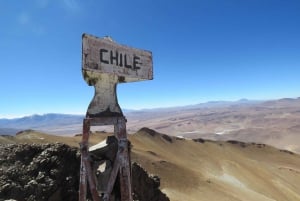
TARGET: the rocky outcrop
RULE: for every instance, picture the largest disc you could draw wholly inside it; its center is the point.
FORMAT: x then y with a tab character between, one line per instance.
51	172
39	172
146	187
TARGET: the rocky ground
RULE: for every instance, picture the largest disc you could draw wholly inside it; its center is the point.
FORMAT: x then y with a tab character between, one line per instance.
51	172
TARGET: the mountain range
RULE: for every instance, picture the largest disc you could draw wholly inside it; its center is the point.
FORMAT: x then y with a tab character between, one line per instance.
273	122
50	123
63	124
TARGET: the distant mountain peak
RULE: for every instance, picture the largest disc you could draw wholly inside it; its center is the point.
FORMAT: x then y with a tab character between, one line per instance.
243	100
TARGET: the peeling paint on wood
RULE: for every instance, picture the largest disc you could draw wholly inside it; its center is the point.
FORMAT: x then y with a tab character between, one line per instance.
102	55
104	65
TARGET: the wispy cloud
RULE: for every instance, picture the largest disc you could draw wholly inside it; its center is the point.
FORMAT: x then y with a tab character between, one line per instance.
72	5
24	18
26	22
69	5
42	3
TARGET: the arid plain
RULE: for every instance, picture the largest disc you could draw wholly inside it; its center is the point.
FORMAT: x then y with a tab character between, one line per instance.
275	122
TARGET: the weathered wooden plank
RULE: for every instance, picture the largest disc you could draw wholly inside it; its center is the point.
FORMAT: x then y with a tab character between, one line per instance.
102	55
104	65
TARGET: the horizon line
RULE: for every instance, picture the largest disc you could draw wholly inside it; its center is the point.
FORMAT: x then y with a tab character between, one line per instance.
18	116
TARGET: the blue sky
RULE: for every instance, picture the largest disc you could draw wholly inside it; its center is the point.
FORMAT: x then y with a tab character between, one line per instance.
203	50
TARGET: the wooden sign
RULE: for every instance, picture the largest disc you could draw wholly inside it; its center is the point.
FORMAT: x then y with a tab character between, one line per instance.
104	65
102	55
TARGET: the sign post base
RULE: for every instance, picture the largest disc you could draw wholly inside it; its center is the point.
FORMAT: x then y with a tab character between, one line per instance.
121	166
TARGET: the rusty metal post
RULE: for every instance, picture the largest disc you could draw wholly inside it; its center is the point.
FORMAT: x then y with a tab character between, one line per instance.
84	157
125	166
85	169
112	179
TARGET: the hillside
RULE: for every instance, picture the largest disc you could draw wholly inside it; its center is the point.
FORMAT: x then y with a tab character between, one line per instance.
271	122
197	170
208	170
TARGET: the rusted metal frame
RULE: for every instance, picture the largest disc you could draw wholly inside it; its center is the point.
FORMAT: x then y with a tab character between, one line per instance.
84	157
83	182
125	174
121	164
86	170
92	182
102	121
112	178
125	170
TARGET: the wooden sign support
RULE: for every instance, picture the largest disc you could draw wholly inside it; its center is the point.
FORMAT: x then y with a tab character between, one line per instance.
121	164
104	65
